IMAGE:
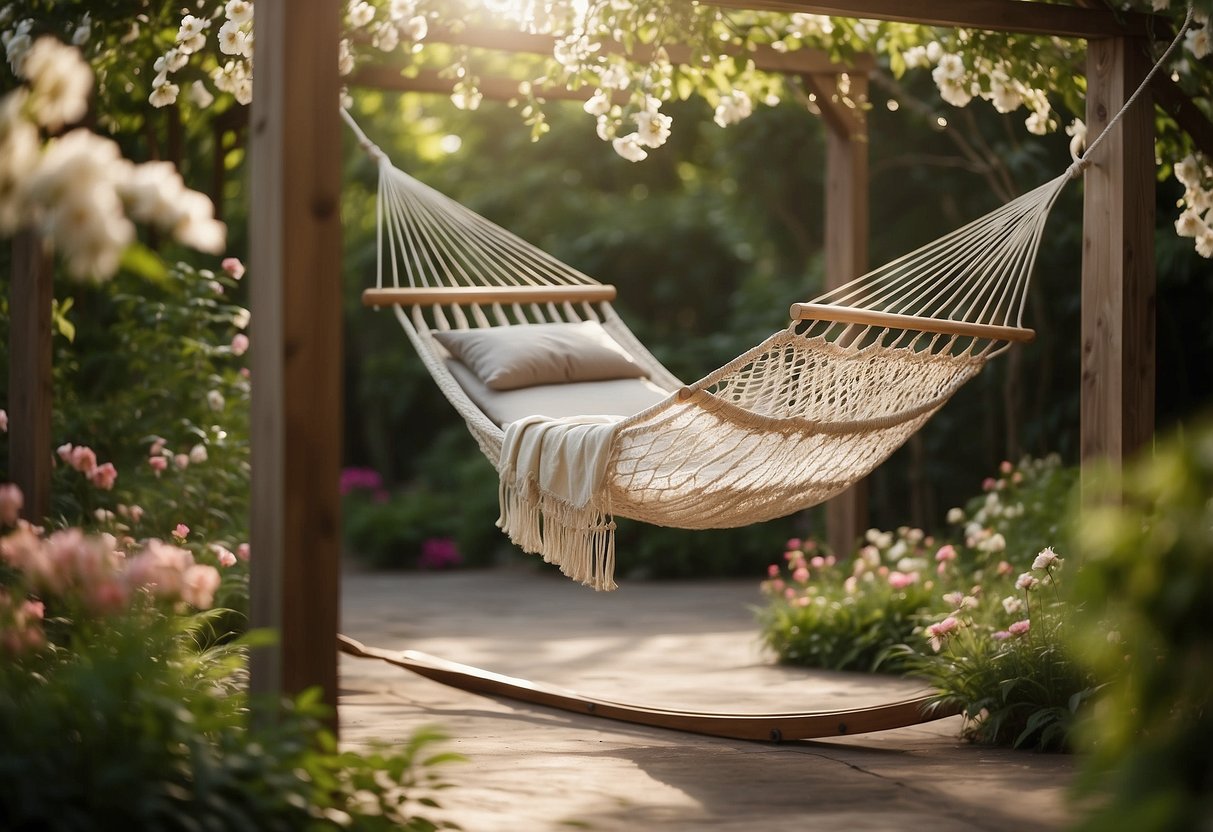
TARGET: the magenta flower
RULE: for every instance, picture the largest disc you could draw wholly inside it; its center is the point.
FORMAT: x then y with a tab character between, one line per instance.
773	570
1019	627
439	553
233	267
793	544
360	479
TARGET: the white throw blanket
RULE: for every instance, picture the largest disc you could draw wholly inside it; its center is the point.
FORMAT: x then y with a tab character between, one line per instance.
553	499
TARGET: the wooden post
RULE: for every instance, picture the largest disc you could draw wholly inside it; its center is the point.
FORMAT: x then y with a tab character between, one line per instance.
29	373
1118	281
846	246
295	274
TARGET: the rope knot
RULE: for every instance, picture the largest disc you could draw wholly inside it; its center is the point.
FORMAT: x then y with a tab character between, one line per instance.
1076	169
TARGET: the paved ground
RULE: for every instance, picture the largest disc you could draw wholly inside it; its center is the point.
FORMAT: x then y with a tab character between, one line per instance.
668	644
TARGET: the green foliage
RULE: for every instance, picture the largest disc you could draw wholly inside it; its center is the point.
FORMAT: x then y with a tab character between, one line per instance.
1144	596
1008	667
845	615
116	715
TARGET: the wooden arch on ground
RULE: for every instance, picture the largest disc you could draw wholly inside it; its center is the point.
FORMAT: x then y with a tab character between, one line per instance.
295	255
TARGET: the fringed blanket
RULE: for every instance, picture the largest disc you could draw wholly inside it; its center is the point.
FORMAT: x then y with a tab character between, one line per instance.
553	499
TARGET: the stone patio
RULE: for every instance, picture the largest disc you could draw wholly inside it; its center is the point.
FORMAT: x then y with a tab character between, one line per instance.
691	645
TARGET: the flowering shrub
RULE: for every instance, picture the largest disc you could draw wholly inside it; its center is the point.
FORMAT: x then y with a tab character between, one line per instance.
846	615
1002	654
115	715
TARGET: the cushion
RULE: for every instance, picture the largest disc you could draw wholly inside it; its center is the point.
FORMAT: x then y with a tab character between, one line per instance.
614	397
510	357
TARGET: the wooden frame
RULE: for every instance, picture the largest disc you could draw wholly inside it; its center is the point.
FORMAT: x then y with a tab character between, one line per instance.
943	326
439	295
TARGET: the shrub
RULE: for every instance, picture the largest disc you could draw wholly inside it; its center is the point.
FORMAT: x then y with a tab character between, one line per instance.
115	717
1144	593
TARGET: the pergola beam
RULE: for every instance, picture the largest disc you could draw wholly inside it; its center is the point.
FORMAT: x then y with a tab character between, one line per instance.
1013	16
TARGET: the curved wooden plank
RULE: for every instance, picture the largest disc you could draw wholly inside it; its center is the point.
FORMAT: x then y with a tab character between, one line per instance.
871	317
769	727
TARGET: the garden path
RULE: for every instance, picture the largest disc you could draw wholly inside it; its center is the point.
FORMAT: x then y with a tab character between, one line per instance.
691	644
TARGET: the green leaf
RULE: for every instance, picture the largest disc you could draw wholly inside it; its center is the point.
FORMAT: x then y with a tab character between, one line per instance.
144	262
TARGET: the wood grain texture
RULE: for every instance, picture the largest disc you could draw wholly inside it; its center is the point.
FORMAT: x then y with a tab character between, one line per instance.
1118	277
437	295
768	727
29	373
295	278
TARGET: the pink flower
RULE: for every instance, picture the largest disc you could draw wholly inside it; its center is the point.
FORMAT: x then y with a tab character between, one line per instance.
1046	559
158	464
11	503
103	476
900	580
34	609
938	633
1006	467
789	593
181	532
159	569
3	421
83	459
989	484
1019	627
800	575
242	551
199	583
1001	635
818	562
1027	582
802	601
778	585
239	343
182	461
233	267
226	558
157	446
793	544
946	553
136	513
65	452
1005	568
773	570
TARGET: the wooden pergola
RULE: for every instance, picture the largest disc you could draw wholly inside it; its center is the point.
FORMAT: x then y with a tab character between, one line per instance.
295	260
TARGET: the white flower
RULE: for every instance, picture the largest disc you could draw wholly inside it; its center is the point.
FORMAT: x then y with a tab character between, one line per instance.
151	190
1190	224
954	92
1005	94
1037	123
240	319
615	77
1188	172
949	68
192	45
916	56
60	82
956	515
239	11
163	95
195	224
233	40
652	128
400	9
360	13
386	37
415	28
1012	604
732	108
198	453
1198	42
1204	244
1046	559
214	400
171	61
191	27
244	91
200	96
629	148
1077	131
598	104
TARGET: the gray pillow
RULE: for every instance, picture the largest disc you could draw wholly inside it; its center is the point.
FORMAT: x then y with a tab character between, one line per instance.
510	357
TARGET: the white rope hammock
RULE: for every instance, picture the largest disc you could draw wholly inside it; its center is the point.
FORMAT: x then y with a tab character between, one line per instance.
786	425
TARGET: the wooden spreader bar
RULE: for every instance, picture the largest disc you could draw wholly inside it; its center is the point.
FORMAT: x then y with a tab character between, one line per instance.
441	295
869	317
768	727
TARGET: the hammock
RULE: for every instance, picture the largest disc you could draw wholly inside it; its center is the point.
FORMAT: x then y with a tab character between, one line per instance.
790	423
